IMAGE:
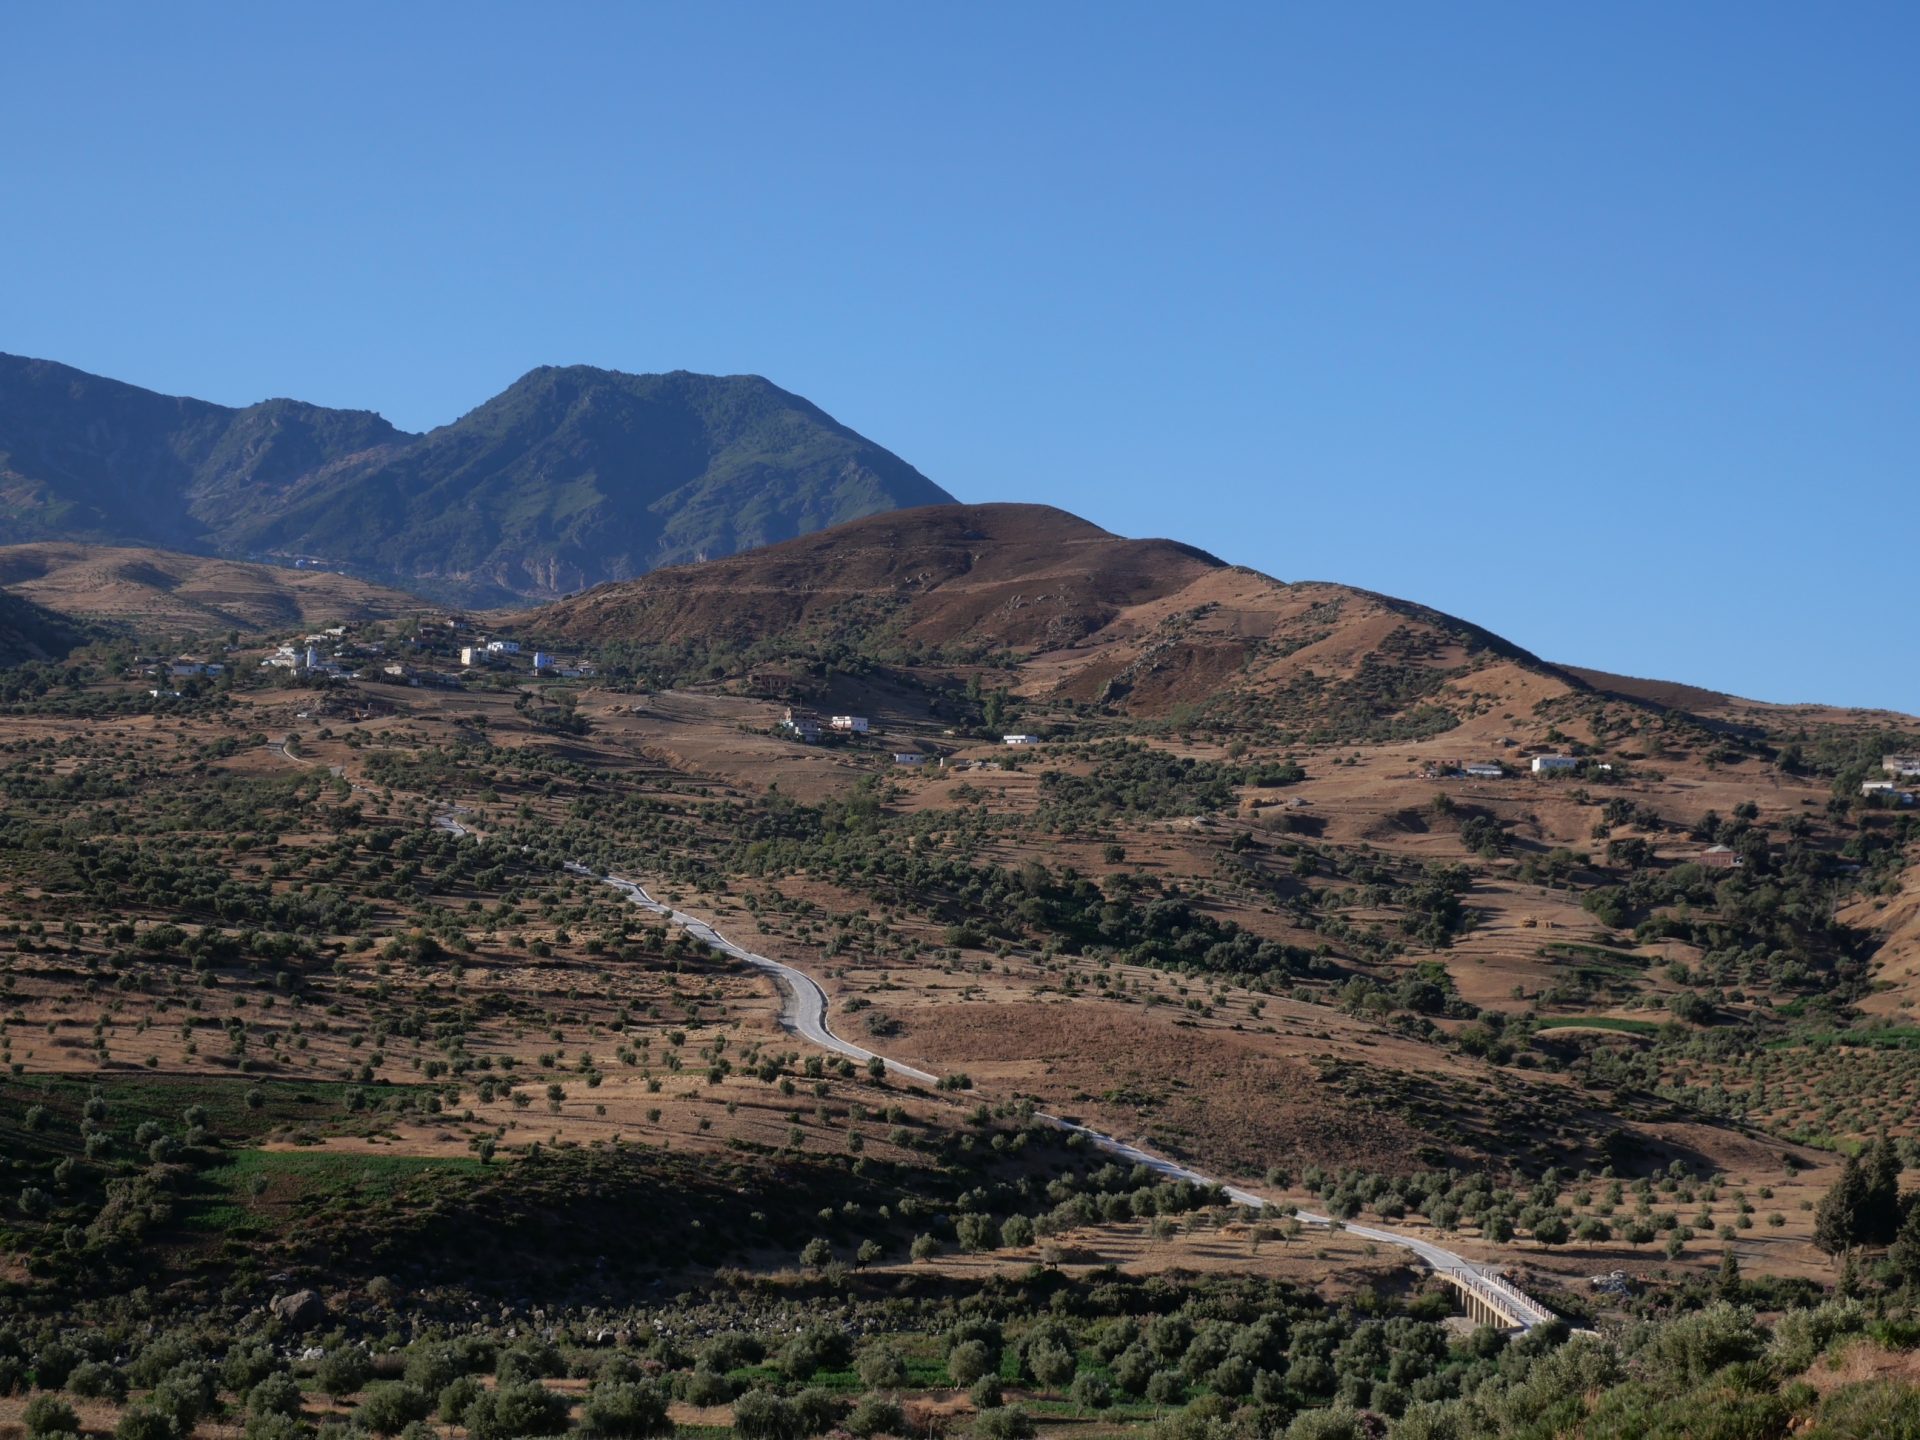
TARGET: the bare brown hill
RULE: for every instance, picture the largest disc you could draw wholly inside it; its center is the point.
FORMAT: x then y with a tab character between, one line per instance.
163	590
1666	694
1016	576
1088	616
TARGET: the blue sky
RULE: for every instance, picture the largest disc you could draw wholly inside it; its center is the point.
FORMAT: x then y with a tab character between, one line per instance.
1597	325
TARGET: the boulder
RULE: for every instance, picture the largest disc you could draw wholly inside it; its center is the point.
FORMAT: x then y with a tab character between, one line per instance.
302	1310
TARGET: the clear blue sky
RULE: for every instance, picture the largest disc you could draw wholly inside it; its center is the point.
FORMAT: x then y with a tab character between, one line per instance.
1598	325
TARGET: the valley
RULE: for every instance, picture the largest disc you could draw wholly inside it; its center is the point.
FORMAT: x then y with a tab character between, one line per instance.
311	981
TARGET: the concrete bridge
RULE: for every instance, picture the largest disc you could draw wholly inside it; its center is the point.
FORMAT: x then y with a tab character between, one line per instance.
1490	1299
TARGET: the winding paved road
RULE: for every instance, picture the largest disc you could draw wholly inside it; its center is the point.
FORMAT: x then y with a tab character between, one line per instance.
805	1008
805	1013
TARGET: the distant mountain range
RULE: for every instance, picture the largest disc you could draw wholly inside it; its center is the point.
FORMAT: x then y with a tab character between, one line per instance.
570	477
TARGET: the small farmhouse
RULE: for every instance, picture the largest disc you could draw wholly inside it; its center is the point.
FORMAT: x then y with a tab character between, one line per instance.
850	724
1903	766
1720	857
801	726
1481	770
1021	739
909	757
1554	764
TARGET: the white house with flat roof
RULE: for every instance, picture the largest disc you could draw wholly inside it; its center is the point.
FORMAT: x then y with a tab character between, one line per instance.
850	724
1554	764
802	726
1020	739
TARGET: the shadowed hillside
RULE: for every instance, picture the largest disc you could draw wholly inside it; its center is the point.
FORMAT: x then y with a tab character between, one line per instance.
33	632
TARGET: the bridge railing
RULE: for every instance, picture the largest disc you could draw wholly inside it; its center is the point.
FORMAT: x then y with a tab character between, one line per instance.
1505	1297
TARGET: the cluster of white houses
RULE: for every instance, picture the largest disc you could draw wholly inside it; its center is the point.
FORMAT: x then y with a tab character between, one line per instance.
807	729
318	654
1493	769
1896	768
335	653
489	653
798	724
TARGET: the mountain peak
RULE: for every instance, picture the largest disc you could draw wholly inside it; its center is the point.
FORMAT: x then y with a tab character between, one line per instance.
570	476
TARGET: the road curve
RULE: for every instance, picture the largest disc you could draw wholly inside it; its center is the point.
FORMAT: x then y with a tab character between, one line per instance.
805	1010
805	1013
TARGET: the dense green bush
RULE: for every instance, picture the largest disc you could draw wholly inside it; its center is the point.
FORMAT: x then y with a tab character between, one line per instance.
50	1415
515	1409
389	1408
625	1410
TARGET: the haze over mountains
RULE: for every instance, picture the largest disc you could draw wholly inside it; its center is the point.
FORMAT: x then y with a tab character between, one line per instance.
569	477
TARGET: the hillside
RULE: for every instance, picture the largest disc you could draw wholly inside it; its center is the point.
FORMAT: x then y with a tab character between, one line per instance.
33	632
1241	906
87	458
569	477
1142	626
165	592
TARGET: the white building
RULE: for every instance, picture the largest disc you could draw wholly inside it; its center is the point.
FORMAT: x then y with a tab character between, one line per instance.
1878	787
503	647
472	655
909	757
1904	766
1553	764
850	724
542	660
1480	770
1020	739
803	728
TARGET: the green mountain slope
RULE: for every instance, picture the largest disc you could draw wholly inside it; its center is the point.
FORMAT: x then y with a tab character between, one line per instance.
86	458
570	477
575	476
